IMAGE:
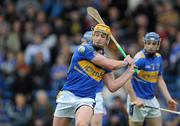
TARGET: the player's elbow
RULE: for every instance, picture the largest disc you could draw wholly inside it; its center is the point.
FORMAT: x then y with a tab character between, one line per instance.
112	67
112	90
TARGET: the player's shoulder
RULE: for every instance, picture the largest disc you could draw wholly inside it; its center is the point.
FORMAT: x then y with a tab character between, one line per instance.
139	55
158	54
85	47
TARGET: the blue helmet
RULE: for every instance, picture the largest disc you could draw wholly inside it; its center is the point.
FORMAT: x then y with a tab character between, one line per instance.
152	36
88	36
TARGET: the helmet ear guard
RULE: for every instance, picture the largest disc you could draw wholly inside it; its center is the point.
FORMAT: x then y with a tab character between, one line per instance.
158	47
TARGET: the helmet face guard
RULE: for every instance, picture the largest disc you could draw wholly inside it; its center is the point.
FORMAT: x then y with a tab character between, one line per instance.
149	38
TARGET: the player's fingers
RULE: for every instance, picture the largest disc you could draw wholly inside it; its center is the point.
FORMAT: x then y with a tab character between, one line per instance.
172	105
172	102
129	59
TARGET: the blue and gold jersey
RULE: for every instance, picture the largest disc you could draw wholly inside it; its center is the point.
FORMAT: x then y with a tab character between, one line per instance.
84	76
144	83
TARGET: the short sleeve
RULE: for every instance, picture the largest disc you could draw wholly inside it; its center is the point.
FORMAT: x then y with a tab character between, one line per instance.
87	52
139	60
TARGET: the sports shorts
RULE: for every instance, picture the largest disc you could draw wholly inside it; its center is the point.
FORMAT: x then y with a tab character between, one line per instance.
68	104
138	114
99	106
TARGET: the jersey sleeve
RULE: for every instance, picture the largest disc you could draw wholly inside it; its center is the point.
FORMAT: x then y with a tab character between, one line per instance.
139	60
86	52
108	71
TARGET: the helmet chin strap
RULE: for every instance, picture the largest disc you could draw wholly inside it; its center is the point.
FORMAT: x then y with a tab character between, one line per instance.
99	49
149	54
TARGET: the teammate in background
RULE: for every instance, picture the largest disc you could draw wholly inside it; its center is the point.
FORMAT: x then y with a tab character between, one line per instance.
142	85
99	109
88	69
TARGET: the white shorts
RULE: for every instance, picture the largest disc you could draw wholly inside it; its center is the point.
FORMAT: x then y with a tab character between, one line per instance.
68	103
99	106
137	114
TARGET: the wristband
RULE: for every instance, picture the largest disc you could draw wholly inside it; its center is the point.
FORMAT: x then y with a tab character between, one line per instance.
126	63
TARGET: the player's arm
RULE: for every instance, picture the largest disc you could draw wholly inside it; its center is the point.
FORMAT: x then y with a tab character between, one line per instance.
111	64
133	98
128	86
130	91
163	88
114	84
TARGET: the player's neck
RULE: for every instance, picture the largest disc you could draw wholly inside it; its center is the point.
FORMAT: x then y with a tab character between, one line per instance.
99	49
149	55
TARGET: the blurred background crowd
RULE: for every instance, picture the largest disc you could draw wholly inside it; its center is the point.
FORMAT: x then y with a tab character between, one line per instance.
38	37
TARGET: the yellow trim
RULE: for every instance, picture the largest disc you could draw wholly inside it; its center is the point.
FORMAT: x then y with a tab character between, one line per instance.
102	27
59	94
139	55
148	76
92	70
158	54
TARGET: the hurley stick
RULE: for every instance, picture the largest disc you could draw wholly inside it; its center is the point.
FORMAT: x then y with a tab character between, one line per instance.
96	16
162	109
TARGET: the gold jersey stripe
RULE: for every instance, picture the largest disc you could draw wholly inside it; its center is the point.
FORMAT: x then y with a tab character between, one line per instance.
149	76
93	71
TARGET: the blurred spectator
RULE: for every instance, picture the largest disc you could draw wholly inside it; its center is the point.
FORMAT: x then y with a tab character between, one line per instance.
60	26
146	14
113	14
2	84
76	22
160	29
14	37
29	12
175	55
40	72
168	16
63	47
28	34
58	74
19	111
50	39
8	67
175	58
57	9
117	113
41	20
42	110
4	34
23	82
22	5
35	48
5	119
165	51
11	14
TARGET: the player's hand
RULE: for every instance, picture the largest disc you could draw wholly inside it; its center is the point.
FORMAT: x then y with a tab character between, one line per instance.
138	102
128	60
131	68
172	104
